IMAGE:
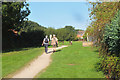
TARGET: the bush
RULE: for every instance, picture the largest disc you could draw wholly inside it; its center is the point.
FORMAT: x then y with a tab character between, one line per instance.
112	36
110	63
110	66
32	38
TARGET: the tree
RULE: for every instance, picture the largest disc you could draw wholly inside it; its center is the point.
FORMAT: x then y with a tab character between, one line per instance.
70	28
49	31
31	34
61	34
102	13
30	26
13	14
71	34
67	33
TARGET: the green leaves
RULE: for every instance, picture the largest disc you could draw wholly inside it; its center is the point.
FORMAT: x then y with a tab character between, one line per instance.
101	14
105	29
13	14
68	33
112	36
110	65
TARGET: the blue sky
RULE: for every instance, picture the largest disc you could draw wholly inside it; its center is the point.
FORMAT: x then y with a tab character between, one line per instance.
60	14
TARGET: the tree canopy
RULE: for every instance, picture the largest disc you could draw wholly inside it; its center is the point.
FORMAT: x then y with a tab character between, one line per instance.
13	14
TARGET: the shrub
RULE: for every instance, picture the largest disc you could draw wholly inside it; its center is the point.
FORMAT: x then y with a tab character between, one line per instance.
112	36
110	63
110	66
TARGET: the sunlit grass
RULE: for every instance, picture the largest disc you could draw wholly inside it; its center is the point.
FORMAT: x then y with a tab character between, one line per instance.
13	61
73	62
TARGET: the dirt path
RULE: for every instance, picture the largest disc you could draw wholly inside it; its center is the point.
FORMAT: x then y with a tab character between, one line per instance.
37	65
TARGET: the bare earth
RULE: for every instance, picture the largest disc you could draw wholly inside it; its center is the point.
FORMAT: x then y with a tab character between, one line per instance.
36	65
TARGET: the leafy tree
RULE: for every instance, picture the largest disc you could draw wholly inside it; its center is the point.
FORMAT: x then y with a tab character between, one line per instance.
13	14
30	26
68	33
102	13
89	30
71	34
49	31
71	28
79	30
61	34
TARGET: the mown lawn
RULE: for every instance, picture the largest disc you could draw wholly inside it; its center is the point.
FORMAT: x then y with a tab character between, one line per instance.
14	60
73	62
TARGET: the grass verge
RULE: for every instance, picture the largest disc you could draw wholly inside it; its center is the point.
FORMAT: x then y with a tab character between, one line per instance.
15	60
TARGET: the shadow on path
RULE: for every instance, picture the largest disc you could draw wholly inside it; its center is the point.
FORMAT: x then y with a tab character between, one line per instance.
53	51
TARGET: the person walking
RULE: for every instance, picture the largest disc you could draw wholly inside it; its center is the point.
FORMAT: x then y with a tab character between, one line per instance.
54	43
46	43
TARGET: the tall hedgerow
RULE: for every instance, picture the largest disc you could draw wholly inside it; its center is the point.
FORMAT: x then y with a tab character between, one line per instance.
110	62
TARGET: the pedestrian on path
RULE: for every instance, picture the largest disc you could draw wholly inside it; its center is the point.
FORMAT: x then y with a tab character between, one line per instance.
46	43
54	43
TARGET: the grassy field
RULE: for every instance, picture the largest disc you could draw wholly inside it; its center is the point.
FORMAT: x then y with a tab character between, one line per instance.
12	61
73	62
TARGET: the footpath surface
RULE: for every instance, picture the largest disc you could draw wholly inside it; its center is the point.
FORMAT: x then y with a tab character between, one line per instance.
36	65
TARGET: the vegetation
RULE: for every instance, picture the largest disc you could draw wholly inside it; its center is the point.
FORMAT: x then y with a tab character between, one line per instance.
12	17
28	33
105	29
74	61
112	35
112	40
68	33
31	34
30	26
50	30
20	34
15	60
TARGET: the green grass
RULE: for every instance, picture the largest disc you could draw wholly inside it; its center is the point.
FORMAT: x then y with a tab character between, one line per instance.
83	60
13	61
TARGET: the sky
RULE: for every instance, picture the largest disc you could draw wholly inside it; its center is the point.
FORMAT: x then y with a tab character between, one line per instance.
60	14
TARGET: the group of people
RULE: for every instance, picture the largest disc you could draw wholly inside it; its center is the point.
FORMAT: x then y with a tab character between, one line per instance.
54	43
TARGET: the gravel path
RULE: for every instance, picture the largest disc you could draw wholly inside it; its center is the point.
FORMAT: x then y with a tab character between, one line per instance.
36	65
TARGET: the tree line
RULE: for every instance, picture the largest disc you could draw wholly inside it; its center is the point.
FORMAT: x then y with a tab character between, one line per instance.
18	31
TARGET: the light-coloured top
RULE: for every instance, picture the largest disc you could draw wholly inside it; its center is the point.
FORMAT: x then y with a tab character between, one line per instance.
54	40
